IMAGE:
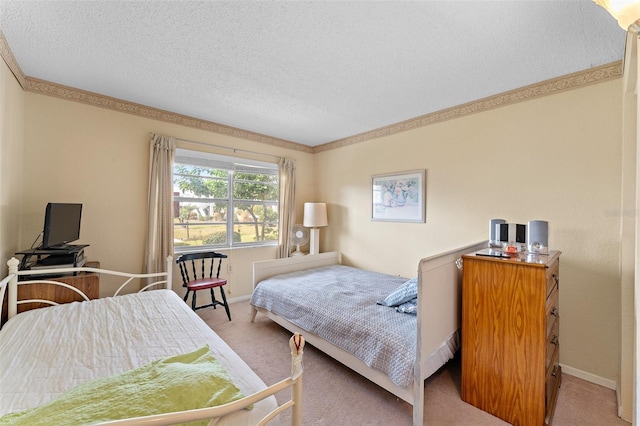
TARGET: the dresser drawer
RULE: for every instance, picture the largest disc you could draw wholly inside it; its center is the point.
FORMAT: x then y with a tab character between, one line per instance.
553	310
553	276
553	343
553	379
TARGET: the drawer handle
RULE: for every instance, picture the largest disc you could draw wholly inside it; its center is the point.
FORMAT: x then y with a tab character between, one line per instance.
554	311
554	341
554	373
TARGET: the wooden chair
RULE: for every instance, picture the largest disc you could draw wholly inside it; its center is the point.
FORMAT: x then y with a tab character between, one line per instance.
199	272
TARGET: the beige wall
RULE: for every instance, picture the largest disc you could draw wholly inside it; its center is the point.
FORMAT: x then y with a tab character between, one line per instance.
556	158
11	142
98	157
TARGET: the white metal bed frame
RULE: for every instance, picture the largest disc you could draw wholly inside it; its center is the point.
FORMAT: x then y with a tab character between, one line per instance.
439	315
163	279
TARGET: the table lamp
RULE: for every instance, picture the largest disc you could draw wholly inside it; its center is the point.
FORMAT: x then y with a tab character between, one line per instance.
315	217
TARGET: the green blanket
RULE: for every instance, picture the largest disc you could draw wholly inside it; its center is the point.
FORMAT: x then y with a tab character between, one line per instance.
178	383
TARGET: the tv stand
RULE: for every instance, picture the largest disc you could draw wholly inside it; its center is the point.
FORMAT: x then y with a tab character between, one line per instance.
68	256
63	248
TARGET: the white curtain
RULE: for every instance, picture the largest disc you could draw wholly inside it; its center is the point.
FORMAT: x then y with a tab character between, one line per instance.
160	203
286	209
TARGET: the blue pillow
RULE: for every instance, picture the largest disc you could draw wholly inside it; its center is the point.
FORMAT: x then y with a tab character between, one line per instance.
404	293
410	307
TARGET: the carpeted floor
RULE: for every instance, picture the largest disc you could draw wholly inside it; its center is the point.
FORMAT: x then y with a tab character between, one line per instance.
334	395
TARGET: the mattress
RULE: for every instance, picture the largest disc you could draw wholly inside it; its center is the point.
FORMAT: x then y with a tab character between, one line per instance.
46	352
338	304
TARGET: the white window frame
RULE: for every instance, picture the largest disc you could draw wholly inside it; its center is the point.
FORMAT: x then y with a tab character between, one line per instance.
231	164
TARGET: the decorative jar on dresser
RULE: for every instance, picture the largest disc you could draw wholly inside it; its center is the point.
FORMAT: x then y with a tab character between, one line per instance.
510	335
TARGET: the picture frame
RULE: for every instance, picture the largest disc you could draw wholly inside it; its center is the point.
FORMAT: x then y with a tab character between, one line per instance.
398	197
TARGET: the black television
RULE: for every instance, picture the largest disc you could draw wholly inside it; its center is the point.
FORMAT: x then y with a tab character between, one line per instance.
61	225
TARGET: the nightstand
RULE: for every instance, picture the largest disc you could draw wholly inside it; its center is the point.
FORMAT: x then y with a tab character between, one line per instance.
87	282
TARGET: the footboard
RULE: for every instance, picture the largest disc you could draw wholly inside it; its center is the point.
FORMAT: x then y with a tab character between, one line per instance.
296	344
213	414
439	311
440	293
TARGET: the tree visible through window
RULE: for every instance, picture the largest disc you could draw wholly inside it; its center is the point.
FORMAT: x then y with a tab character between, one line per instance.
223	201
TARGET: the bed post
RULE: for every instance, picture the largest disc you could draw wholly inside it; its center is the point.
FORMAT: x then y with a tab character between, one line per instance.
296	343
12	297
169	272
418	383
418	402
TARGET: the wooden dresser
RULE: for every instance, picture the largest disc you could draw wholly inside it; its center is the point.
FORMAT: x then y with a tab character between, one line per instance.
87	282
510	336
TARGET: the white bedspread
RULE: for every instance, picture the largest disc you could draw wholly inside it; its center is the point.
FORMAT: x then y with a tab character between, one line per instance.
45	352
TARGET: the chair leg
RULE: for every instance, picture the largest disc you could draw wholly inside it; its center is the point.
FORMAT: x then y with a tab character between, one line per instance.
226	305
193	300
214	301
186	296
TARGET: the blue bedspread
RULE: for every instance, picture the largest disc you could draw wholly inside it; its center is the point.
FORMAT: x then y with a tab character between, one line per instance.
338	303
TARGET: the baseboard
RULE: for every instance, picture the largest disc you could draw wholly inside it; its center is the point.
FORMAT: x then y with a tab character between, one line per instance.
239	299
625	413
589	377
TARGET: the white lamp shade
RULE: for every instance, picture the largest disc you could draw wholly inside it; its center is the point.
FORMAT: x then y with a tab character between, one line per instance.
626	12
315	215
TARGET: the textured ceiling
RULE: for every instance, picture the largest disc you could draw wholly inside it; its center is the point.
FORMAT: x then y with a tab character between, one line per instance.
310	72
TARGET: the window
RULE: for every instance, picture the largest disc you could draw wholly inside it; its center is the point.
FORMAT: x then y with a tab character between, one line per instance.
222	202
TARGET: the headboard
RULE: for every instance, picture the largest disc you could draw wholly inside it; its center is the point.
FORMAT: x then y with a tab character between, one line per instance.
267	268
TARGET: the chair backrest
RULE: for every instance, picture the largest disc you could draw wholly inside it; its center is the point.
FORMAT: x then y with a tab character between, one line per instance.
202	262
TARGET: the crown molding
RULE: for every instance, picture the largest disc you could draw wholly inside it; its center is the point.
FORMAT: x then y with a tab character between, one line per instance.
548	87
69	93
544	88
10	60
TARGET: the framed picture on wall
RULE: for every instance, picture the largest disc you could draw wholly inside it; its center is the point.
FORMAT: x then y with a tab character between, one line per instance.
398	197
